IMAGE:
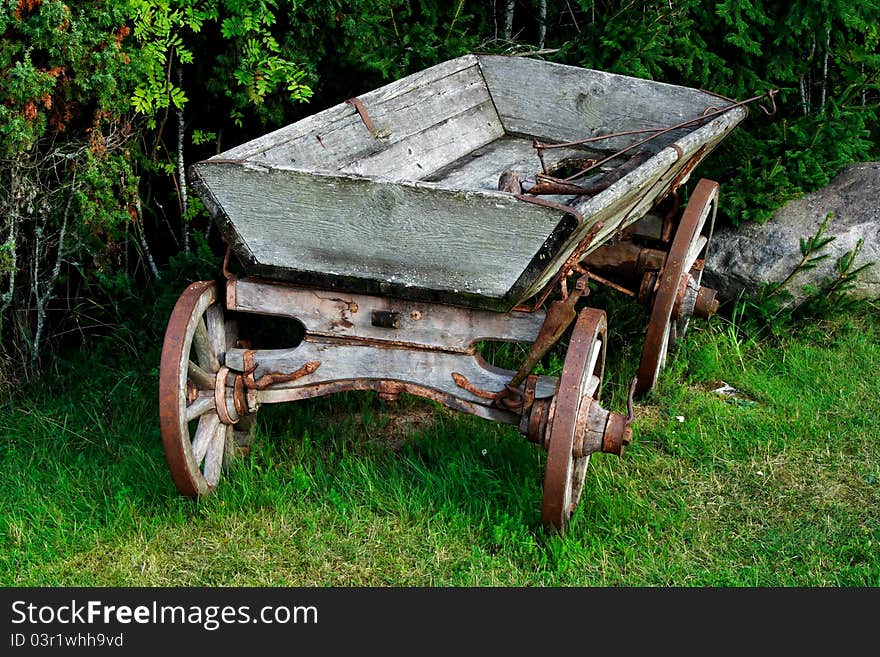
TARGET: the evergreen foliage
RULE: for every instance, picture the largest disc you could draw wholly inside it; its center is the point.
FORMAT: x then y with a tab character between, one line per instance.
105	103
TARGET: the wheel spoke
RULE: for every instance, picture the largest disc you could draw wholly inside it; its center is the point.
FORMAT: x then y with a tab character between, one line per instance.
591	368
216	330
200	377
694	252
199	407
205	431
577	480
592	386
229	444
214	457
231	329
664	349
202	344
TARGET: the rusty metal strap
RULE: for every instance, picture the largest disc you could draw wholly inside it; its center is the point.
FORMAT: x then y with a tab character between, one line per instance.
362	112
272	378
537	200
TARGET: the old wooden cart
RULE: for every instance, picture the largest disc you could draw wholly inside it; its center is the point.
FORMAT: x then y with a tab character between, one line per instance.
450	207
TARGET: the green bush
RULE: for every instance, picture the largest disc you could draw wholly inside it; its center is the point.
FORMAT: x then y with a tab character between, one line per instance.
105	103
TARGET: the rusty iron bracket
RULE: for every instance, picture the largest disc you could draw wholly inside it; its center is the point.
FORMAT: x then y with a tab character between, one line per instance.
629	401
559	317
604	281
462	382
362	112
570	265
220	397
771	94
539	149
510	398
272	377
686	170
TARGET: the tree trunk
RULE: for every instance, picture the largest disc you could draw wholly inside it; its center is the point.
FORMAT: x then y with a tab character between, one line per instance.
542	23
181	167
508	20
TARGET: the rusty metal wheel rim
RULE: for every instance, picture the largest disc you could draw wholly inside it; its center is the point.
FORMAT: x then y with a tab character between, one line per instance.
186	394
687	246
581	382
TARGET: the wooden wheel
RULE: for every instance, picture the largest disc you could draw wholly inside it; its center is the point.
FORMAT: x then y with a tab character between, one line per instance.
199	439
580	384
678	291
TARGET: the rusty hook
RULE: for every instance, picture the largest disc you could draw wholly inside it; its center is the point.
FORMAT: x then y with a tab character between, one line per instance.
771	94
227	274
629	401
539	149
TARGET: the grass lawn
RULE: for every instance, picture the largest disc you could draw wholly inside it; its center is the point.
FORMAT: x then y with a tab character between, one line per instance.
779	486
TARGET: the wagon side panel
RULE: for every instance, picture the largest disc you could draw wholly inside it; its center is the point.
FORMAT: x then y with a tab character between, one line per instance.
412	236
562	103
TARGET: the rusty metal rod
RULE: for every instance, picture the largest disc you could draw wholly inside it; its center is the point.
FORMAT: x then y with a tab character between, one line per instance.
611	284
703	117
609	179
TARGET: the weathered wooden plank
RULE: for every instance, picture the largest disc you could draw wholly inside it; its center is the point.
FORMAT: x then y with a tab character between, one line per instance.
337	139
424	152
565	103
413	234
419	325
345	361
482	167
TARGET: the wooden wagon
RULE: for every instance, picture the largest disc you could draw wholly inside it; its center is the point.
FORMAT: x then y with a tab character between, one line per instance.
471	201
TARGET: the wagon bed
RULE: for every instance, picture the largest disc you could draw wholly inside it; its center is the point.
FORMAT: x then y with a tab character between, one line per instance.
397	192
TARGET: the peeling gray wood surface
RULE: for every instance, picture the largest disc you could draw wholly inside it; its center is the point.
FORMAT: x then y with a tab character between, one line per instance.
414	234
341	314
424	152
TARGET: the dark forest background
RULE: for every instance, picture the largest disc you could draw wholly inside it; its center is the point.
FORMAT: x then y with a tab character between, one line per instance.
103	105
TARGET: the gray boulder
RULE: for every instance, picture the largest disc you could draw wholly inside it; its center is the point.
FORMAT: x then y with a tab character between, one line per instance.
742	258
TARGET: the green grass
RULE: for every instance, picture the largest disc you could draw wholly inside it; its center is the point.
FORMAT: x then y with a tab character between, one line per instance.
780	487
